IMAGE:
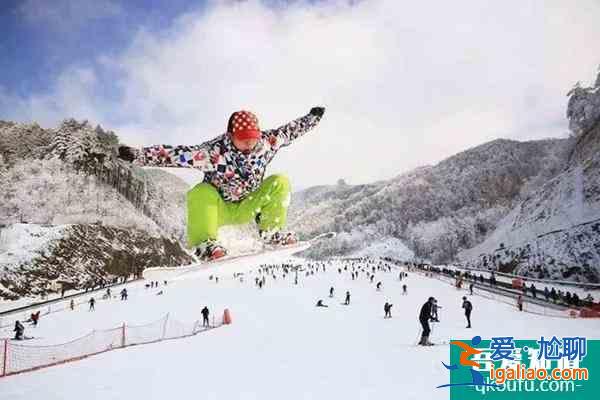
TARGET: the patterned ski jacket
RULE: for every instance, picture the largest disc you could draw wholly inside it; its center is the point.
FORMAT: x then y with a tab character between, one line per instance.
233	173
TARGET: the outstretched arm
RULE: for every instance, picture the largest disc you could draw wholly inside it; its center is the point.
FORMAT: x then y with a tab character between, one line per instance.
291	131
198	156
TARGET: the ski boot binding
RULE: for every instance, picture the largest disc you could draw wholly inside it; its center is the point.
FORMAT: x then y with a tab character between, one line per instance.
210	251
277	239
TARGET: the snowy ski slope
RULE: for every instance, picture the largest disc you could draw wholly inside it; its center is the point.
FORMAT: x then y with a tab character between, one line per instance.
280	346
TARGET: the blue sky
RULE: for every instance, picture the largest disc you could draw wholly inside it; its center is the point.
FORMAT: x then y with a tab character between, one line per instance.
403	86
39	39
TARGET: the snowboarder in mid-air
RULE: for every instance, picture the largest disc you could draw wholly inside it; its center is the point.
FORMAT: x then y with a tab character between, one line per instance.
233	190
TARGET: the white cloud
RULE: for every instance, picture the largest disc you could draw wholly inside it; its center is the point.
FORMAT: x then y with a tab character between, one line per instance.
74	94
404	83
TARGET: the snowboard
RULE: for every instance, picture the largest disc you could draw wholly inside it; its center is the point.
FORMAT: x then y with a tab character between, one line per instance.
229	262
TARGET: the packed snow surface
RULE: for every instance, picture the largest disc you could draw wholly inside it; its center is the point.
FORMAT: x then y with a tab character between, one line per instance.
280	346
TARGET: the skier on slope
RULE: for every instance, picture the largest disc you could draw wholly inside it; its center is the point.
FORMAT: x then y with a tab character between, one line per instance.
205	314
233	190
468	306
424	318
520	303
19	330
321	304
387	308
35	318
347	299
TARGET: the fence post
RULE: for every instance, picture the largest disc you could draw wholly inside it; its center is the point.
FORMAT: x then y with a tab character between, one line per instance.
5	360
165	326
123	335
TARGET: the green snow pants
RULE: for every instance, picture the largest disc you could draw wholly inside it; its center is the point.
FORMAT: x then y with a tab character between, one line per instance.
207	211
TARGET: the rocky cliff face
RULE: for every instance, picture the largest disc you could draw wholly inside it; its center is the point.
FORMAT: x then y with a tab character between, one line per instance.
110	219
77	256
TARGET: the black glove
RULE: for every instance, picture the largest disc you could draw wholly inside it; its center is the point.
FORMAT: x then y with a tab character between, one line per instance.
127	153
317	111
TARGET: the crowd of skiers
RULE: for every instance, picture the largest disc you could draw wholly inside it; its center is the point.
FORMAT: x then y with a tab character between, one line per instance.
19	328
364	267
548	294
358	268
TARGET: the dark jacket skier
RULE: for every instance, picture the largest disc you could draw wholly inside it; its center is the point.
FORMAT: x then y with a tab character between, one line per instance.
387	308
205	314
468	308
424	318
533	290
320	304
19	330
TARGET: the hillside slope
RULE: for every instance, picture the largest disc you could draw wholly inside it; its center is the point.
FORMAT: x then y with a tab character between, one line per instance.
436	210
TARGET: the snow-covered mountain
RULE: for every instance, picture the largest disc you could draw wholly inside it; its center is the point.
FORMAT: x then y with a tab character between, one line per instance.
530	207
436	210
555	230
65	185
